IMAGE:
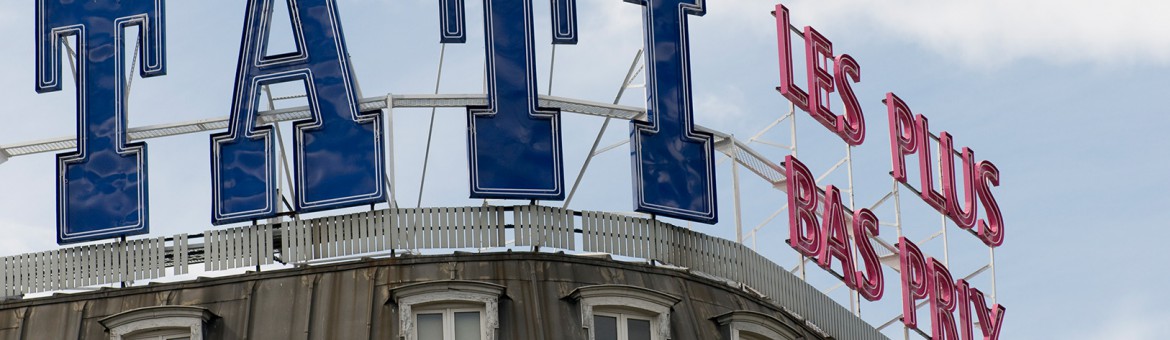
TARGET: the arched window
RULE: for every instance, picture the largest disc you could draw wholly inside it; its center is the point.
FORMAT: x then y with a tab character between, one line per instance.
448	310
748	325
159	323
622	312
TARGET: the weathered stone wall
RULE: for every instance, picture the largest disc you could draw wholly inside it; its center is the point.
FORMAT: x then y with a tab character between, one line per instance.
351	300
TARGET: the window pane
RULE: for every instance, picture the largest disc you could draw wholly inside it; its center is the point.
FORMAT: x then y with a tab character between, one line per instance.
604	327
751	336
638	329
467	326
430	326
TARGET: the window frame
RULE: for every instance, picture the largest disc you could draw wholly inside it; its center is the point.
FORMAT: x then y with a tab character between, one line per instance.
759	324
163	321
616	299
623	317
432	296
159	334
448	312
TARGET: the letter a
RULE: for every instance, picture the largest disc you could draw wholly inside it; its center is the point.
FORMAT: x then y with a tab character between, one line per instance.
102	187
338	153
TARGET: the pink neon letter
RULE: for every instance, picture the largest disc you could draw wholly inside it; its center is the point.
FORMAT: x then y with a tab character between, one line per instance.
914	281
964	216
990	320
803	228
963	301
784	41
818	51
991	230
925	167
870	284
851	125
942	302
835	240
903	137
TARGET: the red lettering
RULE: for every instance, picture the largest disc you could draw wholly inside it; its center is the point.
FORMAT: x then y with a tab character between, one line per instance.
942	302
990	230
914	280
925	167
990	319
818	51
851	125
834	238
903	136
964	216
963	299
803	227
909	136
871	284
787	87
934	281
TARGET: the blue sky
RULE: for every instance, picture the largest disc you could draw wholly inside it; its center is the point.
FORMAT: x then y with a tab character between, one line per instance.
1063	96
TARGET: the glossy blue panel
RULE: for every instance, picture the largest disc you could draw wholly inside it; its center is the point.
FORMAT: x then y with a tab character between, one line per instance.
453	27
514	146
564	21
101	188
674	165
338	155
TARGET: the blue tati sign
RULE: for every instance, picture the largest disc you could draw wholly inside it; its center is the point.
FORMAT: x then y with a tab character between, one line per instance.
514	145
101	188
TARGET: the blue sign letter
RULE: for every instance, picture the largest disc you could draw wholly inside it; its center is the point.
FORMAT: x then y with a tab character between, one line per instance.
514	146
338	157
101	188
674	168
454	28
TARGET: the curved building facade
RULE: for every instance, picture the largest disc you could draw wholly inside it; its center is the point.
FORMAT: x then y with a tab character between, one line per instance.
416	274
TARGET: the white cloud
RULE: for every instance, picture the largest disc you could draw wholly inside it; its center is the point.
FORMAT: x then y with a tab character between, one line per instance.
721	106
995	32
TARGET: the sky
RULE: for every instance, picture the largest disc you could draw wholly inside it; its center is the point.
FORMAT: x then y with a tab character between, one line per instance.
1061	95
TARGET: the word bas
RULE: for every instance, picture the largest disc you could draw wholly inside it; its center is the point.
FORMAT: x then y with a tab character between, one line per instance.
514	146
828	238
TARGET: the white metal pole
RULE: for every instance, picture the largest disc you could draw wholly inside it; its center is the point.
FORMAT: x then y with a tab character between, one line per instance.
898	229
994	291
735	187
431	131
792	129
855	298
604	125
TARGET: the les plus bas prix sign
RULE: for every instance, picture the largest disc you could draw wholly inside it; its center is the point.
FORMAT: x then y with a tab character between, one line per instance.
514	145
827	239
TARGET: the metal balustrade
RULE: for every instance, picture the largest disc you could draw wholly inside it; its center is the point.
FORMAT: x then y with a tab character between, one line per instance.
90	265
380	231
